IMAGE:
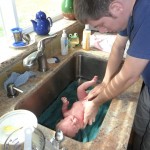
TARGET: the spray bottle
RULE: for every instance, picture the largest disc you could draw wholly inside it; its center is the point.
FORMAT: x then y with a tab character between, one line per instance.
64	43
86	37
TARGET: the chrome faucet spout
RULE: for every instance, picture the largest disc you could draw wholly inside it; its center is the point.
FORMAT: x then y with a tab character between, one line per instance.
38	55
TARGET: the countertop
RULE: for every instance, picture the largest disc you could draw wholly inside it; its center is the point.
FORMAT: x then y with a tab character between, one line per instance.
116	128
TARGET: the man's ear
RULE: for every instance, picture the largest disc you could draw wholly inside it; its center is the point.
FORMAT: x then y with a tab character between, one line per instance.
116	8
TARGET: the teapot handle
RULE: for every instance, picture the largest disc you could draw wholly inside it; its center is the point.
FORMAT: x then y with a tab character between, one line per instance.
50	21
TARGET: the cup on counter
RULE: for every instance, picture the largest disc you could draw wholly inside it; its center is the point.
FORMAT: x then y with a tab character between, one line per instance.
17	34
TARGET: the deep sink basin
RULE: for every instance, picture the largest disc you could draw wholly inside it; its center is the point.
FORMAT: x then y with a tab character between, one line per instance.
81	67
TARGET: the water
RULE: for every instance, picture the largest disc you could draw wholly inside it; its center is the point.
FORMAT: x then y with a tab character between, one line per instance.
52	115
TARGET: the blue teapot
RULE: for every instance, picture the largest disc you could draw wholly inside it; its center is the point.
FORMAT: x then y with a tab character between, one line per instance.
41	24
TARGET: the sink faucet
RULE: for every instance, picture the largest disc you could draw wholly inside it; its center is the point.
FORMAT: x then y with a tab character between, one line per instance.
57	139
38	55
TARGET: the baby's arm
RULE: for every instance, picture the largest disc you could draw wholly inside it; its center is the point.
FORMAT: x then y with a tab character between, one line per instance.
65	106
81	91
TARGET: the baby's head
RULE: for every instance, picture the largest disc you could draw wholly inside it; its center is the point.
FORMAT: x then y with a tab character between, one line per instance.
69	126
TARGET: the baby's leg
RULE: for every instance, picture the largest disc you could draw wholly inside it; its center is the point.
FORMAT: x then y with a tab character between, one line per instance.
81	91
65	106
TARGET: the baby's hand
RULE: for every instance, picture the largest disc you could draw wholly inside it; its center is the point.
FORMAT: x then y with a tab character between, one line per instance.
65	106
64	100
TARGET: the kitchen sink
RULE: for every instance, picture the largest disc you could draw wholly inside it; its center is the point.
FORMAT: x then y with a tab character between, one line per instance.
45	101
81	67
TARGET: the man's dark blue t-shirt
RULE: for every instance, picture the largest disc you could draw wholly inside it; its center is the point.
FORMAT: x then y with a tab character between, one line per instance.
138	32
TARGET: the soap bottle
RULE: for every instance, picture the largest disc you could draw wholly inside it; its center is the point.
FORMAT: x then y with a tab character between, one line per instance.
86	37
64	43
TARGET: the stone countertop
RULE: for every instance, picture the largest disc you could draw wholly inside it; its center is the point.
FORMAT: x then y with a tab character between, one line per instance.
116	128
10	54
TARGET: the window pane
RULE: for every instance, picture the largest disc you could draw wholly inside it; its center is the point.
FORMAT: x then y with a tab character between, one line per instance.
1	29
27	9
7	17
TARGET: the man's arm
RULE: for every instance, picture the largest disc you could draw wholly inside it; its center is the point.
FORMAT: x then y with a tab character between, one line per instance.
129	74
115	83
115	58
113	65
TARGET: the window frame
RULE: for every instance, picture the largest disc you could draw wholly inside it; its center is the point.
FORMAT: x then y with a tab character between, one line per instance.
12	13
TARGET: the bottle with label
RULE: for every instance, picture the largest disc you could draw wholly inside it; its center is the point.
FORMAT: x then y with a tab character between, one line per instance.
86	37
64	43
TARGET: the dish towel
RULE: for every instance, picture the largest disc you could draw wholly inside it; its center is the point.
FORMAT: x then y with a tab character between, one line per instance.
102	42
18	79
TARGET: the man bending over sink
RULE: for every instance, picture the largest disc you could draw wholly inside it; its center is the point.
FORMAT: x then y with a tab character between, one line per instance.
73	118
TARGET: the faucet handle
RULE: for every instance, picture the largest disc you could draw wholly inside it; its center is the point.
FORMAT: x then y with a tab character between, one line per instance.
59	135
12	91
40	45
57	139
29	60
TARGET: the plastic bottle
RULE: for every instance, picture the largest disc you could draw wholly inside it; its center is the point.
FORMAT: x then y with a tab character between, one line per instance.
86	37
64	43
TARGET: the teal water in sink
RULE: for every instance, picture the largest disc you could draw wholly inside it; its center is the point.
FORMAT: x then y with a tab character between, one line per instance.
52	115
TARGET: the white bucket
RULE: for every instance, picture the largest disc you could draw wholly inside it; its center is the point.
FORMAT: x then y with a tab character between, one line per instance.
14	121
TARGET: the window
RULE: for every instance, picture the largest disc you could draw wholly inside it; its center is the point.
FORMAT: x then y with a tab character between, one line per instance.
1	28
15	13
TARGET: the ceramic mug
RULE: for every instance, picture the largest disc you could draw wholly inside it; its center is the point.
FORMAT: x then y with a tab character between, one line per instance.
17	34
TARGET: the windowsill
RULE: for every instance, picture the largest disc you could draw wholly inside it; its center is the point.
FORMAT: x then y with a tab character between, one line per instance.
11	55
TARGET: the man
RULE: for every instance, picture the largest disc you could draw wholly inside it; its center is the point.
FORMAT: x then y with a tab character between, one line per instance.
130	18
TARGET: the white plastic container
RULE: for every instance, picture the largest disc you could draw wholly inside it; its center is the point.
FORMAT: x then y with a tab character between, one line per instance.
64	43
86	37
14	122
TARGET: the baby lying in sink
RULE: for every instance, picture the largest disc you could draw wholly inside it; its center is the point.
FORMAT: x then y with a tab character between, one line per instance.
73	118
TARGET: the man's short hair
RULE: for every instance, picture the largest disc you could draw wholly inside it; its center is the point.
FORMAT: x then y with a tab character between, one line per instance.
91	9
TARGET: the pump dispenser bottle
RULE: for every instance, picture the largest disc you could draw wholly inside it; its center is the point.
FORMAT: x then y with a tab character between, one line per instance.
86	37
64	43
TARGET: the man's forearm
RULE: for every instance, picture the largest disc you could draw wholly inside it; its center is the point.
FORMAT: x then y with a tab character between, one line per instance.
115	60
116	86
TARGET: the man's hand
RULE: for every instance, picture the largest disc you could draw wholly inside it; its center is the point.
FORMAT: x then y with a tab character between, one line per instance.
90	112
95	92
90	108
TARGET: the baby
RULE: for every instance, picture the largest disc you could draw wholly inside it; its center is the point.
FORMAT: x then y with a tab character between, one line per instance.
73	118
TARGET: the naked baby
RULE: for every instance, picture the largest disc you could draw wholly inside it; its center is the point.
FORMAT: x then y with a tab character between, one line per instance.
73	118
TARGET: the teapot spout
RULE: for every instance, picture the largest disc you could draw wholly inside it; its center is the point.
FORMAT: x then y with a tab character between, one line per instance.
34	24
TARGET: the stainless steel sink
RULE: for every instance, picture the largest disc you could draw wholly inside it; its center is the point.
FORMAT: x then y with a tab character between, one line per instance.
81	66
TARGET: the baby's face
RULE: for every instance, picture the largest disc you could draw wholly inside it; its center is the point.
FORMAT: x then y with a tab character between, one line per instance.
69	126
